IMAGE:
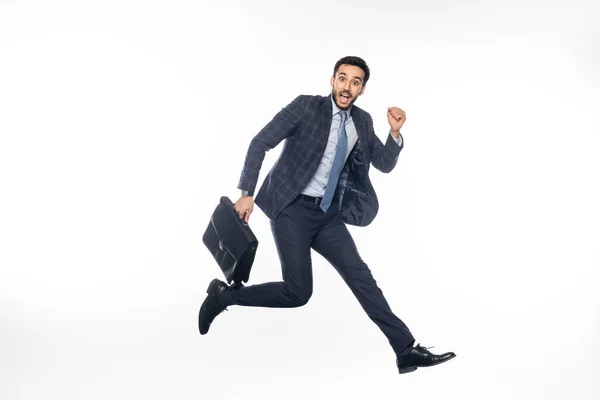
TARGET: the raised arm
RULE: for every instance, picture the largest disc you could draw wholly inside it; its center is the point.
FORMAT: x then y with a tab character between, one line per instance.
385	157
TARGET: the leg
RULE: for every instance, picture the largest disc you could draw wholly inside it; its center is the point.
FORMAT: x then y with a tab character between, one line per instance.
337	246
292	238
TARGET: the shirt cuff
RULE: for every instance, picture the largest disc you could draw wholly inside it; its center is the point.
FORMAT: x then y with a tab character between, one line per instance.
399	140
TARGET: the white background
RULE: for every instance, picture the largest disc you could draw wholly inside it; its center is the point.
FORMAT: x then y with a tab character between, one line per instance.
123	122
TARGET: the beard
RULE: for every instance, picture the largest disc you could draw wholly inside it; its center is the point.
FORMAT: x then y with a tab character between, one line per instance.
335	95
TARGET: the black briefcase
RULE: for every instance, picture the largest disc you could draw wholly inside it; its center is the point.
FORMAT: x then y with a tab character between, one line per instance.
231	242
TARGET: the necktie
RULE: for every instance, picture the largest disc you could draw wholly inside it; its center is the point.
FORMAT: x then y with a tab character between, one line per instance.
338	163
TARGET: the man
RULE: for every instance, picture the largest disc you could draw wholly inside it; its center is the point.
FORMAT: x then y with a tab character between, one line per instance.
320	183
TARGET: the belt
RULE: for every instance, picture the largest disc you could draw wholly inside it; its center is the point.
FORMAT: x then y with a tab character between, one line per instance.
314	200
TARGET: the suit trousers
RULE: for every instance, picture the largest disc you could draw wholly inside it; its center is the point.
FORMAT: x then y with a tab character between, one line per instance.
303	226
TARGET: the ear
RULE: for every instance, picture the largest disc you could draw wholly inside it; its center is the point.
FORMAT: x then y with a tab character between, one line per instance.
363	89
331	81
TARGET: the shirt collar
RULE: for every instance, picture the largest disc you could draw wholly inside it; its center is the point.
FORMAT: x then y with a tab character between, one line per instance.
335	109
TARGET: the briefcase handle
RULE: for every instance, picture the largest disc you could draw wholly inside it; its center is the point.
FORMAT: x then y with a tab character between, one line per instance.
227	200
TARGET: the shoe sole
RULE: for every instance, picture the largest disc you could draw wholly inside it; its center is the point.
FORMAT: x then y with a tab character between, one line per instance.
411	369
406	370
209	290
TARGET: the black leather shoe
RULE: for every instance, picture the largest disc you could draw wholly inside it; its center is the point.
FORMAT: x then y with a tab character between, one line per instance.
419	356
212	306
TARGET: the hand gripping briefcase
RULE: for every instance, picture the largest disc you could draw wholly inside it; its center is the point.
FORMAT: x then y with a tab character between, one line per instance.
231	242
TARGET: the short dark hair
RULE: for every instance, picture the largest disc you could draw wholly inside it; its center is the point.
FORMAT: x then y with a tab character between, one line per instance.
357	62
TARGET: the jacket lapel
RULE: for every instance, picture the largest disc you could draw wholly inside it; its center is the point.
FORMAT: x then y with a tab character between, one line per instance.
361	144
326	119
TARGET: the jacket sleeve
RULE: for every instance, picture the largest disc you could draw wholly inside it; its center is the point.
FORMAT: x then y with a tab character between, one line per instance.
383	157
282	126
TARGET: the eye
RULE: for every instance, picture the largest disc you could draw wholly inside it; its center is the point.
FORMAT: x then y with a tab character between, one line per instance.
342	79
355	83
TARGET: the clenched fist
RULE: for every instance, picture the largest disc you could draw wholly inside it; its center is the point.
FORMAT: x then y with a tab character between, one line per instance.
396	117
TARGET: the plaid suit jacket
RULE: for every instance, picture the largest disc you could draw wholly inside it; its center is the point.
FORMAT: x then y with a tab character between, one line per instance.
304	125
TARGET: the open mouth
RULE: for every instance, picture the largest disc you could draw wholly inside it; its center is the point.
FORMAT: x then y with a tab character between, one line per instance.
344	97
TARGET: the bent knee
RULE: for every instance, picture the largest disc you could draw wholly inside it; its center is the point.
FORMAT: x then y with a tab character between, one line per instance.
301	299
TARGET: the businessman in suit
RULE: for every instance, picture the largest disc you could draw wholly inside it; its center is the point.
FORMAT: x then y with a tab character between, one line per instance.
320	183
